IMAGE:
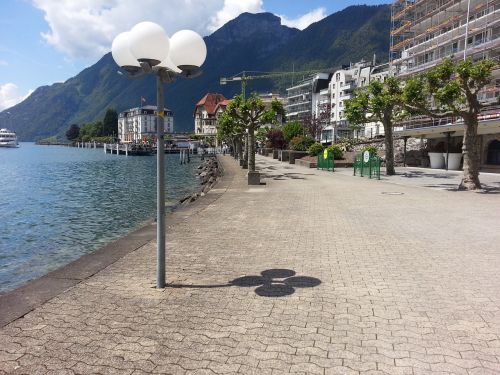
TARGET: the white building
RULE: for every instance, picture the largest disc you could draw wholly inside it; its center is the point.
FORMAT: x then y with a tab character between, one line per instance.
342	85
137	125
205	114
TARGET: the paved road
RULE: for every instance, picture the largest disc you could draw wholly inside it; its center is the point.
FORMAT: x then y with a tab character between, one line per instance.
312	273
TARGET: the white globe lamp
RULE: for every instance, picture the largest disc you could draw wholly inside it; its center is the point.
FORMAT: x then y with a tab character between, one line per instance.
187	50
121	53
149	43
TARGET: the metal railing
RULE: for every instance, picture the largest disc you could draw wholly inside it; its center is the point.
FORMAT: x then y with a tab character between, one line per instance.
418	122
326	161
367	167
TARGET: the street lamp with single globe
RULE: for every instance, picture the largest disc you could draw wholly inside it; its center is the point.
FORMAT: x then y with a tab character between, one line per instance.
147	49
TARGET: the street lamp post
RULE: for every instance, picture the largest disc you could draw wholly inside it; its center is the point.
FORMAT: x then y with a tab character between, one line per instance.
146	49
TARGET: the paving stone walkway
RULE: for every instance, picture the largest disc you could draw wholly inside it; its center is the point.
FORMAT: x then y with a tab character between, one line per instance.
311	273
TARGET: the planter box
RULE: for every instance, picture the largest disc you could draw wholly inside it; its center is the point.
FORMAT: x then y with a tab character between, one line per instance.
296	155
253	178
454	160
436	159
283	155
306	163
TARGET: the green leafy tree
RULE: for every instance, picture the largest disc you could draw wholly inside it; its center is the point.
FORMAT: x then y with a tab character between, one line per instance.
230	130
195	137
452	89
261	135
292	129
252	114
91	131
110	123
378	102
73	132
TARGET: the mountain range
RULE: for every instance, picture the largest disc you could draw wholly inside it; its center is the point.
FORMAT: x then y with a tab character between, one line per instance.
250	42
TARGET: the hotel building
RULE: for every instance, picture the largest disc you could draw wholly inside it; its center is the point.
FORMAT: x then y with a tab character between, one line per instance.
137	125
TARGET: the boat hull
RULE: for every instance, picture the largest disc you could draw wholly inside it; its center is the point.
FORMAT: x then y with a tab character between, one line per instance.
9	145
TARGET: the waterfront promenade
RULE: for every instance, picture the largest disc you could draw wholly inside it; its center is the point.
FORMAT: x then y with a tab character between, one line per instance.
312	273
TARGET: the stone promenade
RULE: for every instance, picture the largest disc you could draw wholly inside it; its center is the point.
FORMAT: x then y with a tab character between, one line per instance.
312	273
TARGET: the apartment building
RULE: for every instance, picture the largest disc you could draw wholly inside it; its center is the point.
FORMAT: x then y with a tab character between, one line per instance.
303	98
137	125
342	85
426	31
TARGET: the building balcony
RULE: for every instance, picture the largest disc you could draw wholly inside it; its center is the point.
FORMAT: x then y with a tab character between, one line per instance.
427	126
347	86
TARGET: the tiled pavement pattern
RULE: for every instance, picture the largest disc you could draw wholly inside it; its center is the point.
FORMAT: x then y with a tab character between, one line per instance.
313	273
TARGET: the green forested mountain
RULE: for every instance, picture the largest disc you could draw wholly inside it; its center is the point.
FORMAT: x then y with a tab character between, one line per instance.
253	42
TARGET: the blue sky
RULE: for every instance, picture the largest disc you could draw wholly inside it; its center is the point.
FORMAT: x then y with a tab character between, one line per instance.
48	41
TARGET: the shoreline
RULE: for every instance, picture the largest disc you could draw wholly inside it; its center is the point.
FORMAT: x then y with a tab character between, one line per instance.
18	302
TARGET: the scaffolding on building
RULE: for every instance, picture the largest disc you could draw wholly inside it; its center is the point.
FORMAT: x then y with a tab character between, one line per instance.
425	31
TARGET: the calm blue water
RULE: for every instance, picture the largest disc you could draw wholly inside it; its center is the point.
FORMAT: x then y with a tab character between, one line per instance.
58	203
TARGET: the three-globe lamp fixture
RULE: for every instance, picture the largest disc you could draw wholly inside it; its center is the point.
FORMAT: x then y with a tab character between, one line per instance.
147	49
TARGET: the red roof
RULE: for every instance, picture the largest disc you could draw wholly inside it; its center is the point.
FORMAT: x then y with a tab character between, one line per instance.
210	102
222	104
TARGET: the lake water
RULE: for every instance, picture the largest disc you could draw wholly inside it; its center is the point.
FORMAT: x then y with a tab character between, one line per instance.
59	203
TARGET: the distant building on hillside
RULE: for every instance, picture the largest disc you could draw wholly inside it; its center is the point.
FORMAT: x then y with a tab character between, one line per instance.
139	124
205	114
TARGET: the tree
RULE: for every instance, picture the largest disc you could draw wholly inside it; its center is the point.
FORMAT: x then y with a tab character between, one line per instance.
378	102
292	129
261	135
452	89
276	139
73	132
230	130
252	113
110	123
315	124
91	131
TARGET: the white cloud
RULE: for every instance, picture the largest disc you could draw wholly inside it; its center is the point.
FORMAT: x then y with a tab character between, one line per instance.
304	21
232	9
3	63
86	28
10	95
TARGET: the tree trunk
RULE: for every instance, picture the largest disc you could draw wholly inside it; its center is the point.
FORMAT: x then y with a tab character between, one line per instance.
246	148
251	149
389	149
239	151
470	179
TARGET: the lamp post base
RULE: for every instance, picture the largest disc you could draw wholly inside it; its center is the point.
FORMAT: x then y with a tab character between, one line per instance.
253	178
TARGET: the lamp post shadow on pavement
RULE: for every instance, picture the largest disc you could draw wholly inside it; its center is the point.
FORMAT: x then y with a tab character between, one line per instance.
147	50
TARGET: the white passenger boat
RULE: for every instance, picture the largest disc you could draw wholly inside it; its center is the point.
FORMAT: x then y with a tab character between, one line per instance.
8	138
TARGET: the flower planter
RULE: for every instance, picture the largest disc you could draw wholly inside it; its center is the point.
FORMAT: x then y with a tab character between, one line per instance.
437	160
292	155
283	155
454	159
